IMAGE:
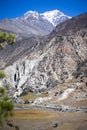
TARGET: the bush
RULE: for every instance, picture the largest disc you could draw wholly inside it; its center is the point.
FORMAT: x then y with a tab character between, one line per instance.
1	45
7	37
2	74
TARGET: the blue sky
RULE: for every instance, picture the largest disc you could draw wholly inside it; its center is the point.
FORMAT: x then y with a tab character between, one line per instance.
15	8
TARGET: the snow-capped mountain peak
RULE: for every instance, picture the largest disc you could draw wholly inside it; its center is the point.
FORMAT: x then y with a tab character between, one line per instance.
54	16
33	14
50	14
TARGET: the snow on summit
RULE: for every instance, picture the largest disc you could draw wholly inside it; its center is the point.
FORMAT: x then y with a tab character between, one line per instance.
54	17
34	14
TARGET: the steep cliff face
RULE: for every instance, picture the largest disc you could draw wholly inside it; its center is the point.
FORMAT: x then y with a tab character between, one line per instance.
41	63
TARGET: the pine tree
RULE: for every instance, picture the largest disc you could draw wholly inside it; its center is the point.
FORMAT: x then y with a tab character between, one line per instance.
6	105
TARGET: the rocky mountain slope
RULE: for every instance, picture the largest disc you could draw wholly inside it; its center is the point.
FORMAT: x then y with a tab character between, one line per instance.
40	63
33	23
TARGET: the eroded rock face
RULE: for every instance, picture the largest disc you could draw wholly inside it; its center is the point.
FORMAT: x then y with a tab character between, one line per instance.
43	63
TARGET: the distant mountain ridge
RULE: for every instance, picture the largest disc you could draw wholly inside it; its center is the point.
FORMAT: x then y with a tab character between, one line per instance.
34	23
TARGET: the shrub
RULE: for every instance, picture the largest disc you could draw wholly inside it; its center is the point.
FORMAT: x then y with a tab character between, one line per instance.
1	45
10	38
2	74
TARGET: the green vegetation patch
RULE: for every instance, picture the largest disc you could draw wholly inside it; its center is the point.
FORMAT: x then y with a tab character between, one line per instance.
6	107
10	38
2	74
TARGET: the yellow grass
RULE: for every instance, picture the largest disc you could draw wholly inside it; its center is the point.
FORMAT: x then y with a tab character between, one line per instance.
32	96
34	114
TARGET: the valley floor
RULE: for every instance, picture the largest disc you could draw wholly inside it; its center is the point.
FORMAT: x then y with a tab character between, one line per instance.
49	120
62	108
